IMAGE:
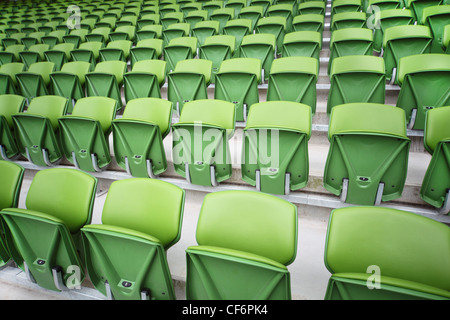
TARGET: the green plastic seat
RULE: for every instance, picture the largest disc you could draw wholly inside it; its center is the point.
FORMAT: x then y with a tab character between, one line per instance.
59	54
9	104
36	130
146	49
145	79
402	41
149	32
237	5
345	6
308	22
261	46
387	19
368	157
446	39
188	81
12	177
205	29
147	19
200	120
70	81
141	272
284	128
435	188
35	53
384	5
87	51
212	5
106	80
345	20
76	36
302	43
53	37
285	10
311	7
44	239
176	30
222	15
84	133
253	13
424	80
178	49
436	18
106	22
376	253
234	259
237	82
100	34
138	137
264	4
217	49
350	41
417	6
356	79
192	17
124	32
117	50
8	82
294	79
189	6
171	18
11	53
32	39
275	25
238	28
35	82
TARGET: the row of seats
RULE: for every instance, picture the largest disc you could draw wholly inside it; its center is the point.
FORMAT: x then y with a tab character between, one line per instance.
56	245
274	151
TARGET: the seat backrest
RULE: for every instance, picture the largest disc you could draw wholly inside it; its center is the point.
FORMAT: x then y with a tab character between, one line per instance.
154	66
12	175
51	107
190	42
259	38
9	105
296	64
201	66
351	34
248	221
102	109
403	245
213	112
357	63
66	194
152	206
117	68
436	127
422	63
80	68
246	65
222	39
406	32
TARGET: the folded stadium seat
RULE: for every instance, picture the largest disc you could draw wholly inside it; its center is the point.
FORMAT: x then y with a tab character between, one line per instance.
13	39
179	49
127	32
88	23
390	18
273	25
350	41
402	41
147	49
84	133
188	81
176	30
76	36
53	37
261	46
386	4
164	9
237	82
289	73
311	7
376	253
222	15
378	132
70	81
87	51
210	6
345	20
283	128
217	49
417	6
238	28
127	21
446	39
59	54
235	260
148	19
190	6
356	79
108	22
44	239
196	16
118	50
424	81
253	13
141	272
436	17
35	82
345	6
200	163
149	32
138	137
106	80
9	104
262	3
33	54
11	53
36	131
302	43
171	18
32	39
308	22
8	82
435	188
100	34
237	5
204	29
12	177
285	10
